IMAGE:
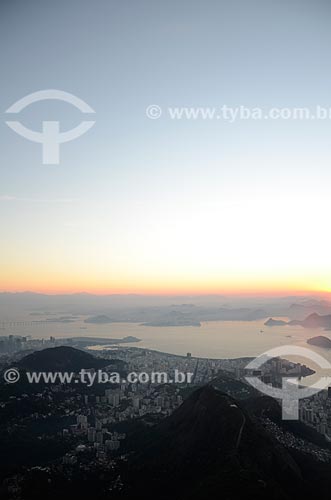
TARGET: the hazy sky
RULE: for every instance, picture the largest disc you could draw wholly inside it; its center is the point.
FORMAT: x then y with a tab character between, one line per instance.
140	205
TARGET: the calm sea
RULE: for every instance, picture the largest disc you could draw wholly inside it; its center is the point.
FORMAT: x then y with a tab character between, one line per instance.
217	339
220	339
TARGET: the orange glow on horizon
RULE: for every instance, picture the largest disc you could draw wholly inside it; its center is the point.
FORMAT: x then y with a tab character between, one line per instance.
67	279
236	289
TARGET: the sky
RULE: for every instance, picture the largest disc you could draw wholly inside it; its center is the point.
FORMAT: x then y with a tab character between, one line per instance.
139	205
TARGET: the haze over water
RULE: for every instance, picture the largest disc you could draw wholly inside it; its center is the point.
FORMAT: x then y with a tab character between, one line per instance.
214	339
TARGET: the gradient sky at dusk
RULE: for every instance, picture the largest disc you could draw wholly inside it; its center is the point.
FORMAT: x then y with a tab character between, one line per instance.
139	205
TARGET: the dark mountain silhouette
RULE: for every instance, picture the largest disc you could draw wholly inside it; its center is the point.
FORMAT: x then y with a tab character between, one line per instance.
211	446
61	359
266	407
225	382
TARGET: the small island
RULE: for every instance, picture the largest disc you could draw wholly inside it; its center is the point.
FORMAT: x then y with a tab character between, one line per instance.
275	322
83	342
102	319
173	323
320	341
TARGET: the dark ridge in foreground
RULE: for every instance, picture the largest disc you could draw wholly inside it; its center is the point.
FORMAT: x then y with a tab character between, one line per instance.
211	447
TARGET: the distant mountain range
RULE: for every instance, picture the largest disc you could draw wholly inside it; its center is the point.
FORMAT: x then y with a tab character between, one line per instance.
189	310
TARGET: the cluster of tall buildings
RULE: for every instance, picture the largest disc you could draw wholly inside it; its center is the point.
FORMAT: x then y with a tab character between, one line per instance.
99	413
12	344
316	412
